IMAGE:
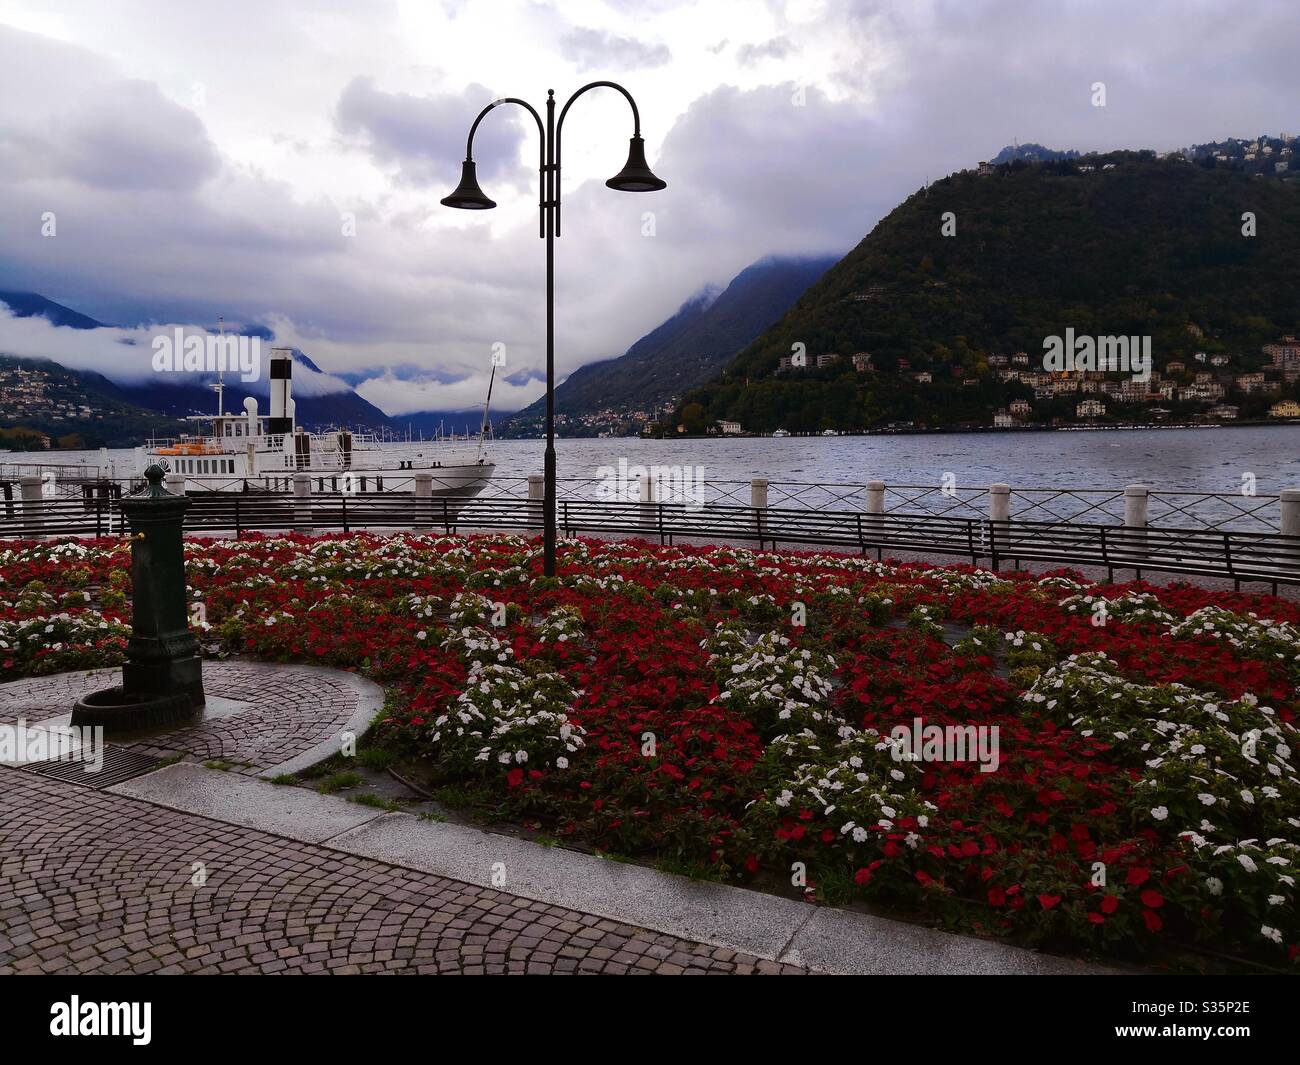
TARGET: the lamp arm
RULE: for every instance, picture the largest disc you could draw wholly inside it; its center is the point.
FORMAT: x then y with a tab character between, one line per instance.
559	129
541	153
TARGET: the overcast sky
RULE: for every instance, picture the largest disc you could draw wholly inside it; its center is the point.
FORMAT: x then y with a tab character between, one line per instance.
202	159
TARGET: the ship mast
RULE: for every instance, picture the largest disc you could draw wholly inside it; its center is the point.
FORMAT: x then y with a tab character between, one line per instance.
220	386
483	429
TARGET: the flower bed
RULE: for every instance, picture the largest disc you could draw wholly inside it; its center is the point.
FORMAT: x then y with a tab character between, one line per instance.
737	714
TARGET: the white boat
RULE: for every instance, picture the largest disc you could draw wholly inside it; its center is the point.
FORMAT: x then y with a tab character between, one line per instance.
780	432
252	452
829	432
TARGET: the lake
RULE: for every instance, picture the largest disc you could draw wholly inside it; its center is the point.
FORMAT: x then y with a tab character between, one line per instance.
1207	460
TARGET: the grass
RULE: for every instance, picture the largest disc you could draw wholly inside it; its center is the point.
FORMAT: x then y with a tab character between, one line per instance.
285	779
339	781
378	802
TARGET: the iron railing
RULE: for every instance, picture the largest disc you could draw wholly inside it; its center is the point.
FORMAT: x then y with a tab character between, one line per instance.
1239	556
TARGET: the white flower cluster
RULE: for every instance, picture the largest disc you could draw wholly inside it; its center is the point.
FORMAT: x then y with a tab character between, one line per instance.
1130	606
770	678
1256	636
506	716
56	632
478	645
561	625
853	779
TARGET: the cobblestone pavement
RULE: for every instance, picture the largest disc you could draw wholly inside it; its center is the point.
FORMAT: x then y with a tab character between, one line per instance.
92	882
289	710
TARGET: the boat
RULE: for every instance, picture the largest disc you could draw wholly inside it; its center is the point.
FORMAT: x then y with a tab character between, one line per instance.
781	433
255	452
829	432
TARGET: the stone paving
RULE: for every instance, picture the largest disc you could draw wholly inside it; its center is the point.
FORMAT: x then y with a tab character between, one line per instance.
92	882
289	709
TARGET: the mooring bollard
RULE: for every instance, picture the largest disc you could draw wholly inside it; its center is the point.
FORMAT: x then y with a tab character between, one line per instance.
302	503
33	507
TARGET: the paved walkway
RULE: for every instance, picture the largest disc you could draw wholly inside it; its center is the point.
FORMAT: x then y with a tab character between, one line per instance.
187	868
262	718
92	882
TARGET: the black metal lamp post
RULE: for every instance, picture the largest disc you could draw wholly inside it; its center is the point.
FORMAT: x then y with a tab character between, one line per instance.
635	176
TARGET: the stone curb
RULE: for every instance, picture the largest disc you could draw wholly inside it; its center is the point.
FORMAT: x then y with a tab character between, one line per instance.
819	938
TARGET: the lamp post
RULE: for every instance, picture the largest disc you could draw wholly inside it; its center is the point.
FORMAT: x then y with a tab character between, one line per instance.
635	176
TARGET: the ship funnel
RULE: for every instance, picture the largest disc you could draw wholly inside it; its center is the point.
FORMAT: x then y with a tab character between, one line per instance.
281	370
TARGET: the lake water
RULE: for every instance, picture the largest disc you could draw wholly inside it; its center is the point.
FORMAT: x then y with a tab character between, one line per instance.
1206	460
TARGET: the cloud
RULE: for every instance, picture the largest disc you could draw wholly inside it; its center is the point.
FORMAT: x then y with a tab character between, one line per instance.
423	137
125	356
601	51
234	205
776	48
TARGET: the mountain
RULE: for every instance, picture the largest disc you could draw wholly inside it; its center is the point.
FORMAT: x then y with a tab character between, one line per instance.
1031	153
1118	244
341	408
75	409
687	350
31	304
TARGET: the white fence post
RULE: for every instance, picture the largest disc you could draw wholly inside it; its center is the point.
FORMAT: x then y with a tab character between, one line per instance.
1290	524
537	494
33	507
423	510
758	501
1136	502
302	503
876	507
999	502
174	483
647	498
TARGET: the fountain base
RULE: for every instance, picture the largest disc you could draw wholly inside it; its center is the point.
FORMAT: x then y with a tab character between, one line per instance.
116	710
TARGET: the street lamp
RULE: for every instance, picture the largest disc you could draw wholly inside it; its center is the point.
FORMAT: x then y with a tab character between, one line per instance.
635	176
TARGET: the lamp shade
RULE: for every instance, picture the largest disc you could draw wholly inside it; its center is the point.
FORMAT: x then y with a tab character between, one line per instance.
636	176
468	196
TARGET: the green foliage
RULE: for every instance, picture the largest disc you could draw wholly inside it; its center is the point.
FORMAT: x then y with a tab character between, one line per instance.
1149	247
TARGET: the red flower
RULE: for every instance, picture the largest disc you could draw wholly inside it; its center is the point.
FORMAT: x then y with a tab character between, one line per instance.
1137	876
1109	903
862	876
1152	919
515	777
997	897
1152	898
1048	901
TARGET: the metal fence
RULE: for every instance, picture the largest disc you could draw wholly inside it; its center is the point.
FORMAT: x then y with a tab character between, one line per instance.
1269	557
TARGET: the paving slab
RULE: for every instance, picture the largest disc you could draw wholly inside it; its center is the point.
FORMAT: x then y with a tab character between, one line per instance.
709	913
285	811
845	942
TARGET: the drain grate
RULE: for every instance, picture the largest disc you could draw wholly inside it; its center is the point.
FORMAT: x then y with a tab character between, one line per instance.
119	765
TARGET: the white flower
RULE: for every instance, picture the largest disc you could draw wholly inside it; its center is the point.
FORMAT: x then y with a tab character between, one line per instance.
1247	862
561	763
1214	884
1207	798
1160	813
1270	933
1276	900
